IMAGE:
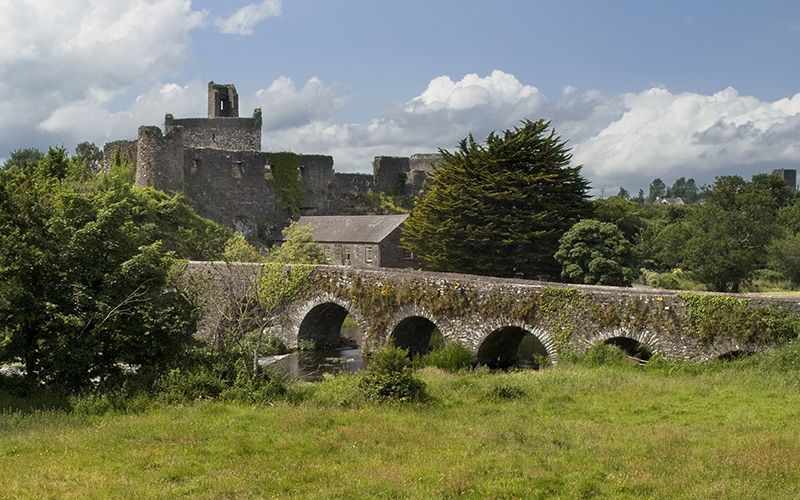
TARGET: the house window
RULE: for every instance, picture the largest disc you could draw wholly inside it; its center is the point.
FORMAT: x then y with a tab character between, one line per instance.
368	254
408	255
327	251
347	259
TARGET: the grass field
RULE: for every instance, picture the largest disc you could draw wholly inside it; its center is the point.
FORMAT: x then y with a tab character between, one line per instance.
569	431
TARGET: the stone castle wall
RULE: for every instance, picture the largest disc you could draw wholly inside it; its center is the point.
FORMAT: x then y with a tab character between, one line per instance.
127	148
217	162
229	134
233	188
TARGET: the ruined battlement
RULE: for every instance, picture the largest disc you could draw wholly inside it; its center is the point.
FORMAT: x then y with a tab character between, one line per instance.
228	134
218	164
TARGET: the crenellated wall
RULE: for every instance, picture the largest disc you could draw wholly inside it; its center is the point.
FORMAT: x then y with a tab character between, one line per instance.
218	164
473	309
228	134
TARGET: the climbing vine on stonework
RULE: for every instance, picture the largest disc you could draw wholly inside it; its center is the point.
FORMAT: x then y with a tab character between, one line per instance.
286	180
564	312
713	316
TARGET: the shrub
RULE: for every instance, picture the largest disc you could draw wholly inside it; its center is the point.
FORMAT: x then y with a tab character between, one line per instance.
677	279
219	376
767	280
389	377
238	249
306	345
274	345
711	316
604	355
451	357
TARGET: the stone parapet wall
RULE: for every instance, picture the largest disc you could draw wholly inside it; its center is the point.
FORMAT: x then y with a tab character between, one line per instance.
467	309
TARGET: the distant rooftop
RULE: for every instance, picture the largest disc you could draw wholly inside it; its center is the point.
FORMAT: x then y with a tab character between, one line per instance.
351	228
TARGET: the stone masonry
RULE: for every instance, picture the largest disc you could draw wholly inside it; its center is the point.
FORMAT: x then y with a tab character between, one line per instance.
479	312
218	163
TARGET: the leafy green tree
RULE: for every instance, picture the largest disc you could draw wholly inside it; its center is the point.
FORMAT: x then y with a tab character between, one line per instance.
84	291
657	190
90	155
784	252
781	193
120	169
723	241
171	220
596	253
499	208
24	159
784	256
623	213
298	247
684	189
237	249
55	163
789	217
623	193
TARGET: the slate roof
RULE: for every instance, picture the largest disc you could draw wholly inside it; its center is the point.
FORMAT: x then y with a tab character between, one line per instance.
351	228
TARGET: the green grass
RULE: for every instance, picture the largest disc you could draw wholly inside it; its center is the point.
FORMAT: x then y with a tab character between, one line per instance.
662	431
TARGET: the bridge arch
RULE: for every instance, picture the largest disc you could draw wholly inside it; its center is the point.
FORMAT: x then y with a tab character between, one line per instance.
730	350
413	329
320	320
511	345
638	344
733	355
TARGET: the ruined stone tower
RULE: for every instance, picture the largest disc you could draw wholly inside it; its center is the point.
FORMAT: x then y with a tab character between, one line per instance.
217	163
223	101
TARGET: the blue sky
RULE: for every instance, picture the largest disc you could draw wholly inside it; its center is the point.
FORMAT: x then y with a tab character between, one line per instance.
640	88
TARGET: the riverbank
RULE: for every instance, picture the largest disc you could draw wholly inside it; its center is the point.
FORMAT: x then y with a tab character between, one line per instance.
572	431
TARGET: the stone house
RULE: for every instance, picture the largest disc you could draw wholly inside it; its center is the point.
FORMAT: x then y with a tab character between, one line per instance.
361	240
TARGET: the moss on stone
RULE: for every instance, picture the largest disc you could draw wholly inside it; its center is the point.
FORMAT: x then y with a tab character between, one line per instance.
286	180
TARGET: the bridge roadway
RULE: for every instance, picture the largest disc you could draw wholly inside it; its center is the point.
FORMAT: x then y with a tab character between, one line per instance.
496	318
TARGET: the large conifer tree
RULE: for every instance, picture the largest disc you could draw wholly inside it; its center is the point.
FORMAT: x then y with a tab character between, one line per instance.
499	208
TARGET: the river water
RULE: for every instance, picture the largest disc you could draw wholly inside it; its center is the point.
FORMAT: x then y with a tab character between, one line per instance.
312	365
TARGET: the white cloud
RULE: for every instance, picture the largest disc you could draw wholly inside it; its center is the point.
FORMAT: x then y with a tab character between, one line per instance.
671	135
621	140
58	56
91	119
243	21
496	91
287	106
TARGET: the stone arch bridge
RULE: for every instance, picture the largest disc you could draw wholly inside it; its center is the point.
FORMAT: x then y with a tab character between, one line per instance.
495	317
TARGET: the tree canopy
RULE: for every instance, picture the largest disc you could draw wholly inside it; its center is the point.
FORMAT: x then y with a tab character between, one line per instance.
88	270
596	253
723	241
499	208
84	289
298	247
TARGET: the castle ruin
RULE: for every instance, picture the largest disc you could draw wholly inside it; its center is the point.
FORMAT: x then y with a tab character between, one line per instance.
217	163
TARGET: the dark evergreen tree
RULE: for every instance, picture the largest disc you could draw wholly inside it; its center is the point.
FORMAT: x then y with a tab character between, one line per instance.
683	189
657	190
499	208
